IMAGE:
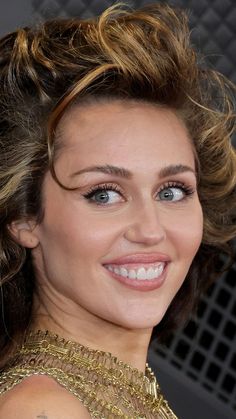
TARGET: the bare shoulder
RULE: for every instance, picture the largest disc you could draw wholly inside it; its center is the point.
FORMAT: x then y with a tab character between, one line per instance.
40	397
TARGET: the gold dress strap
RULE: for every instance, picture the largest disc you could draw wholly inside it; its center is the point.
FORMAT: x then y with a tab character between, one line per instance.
108	388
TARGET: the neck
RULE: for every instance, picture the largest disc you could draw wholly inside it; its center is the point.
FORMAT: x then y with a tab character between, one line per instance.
129	346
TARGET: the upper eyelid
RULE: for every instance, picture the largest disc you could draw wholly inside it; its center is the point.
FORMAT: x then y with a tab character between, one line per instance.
186	187
163	184
178	184
104	186
91	193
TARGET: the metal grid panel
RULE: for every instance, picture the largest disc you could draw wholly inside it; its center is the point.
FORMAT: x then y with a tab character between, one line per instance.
205	349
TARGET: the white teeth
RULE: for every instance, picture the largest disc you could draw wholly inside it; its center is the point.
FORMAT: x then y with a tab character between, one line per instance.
132	274
123	272
160	269
151	273
140	274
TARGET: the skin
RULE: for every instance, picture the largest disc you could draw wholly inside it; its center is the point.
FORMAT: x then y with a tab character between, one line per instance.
40	397
77	297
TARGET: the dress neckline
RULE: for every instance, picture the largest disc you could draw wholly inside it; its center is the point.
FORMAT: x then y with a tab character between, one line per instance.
79	355
107	386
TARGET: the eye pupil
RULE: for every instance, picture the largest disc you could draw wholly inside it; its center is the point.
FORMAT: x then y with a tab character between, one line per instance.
167	194
102	196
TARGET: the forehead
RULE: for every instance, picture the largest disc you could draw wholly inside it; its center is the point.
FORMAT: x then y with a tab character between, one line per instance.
119	131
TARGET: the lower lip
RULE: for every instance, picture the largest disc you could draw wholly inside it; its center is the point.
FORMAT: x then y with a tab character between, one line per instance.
140	284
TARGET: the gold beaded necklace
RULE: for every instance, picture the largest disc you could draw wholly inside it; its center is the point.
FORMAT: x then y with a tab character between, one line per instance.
109	388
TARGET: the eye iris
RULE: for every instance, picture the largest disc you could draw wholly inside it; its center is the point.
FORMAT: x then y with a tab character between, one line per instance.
102	196
167	194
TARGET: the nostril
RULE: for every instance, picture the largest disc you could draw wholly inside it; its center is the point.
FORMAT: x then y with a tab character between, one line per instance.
140	234
145	224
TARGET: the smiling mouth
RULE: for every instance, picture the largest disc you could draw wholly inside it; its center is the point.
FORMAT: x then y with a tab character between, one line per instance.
141	273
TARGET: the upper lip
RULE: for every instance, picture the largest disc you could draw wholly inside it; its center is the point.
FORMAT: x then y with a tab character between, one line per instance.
139	258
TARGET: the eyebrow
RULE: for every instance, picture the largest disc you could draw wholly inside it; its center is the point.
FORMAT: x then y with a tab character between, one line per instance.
107	169
175	169
124	173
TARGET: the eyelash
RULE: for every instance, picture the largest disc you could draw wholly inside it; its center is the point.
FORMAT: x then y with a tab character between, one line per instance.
104	187
188	190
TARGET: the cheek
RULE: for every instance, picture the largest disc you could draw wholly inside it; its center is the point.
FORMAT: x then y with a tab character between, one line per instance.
81	237
186	232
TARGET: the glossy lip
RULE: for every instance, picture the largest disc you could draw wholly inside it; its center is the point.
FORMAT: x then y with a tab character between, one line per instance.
141	260
139	284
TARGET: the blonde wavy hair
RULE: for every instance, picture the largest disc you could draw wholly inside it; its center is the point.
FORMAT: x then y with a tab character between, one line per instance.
142	55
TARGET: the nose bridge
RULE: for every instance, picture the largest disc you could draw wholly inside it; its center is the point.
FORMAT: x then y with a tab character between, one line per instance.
145	223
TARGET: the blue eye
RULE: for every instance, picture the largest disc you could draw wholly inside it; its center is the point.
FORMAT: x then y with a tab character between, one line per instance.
172	193
102	196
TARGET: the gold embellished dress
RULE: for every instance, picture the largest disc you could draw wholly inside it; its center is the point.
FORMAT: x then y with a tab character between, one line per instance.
108	388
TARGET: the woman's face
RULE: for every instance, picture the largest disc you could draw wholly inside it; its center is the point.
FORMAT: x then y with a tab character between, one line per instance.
119	246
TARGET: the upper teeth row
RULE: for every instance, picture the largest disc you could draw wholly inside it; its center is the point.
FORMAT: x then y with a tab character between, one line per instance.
140	273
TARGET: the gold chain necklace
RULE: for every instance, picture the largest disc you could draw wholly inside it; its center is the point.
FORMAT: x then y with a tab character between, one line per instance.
109	388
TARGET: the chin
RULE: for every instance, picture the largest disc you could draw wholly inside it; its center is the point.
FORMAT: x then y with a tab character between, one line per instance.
141	322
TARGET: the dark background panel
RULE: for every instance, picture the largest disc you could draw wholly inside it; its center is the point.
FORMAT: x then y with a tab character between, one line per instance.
197	369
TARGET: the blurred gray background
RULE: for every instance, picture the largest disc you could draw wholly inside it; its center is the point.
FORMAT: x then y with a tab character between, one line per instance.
197	369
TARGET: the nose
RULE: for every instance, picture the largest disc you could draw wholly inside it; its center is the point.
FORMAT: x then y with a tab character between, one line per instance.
145	226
